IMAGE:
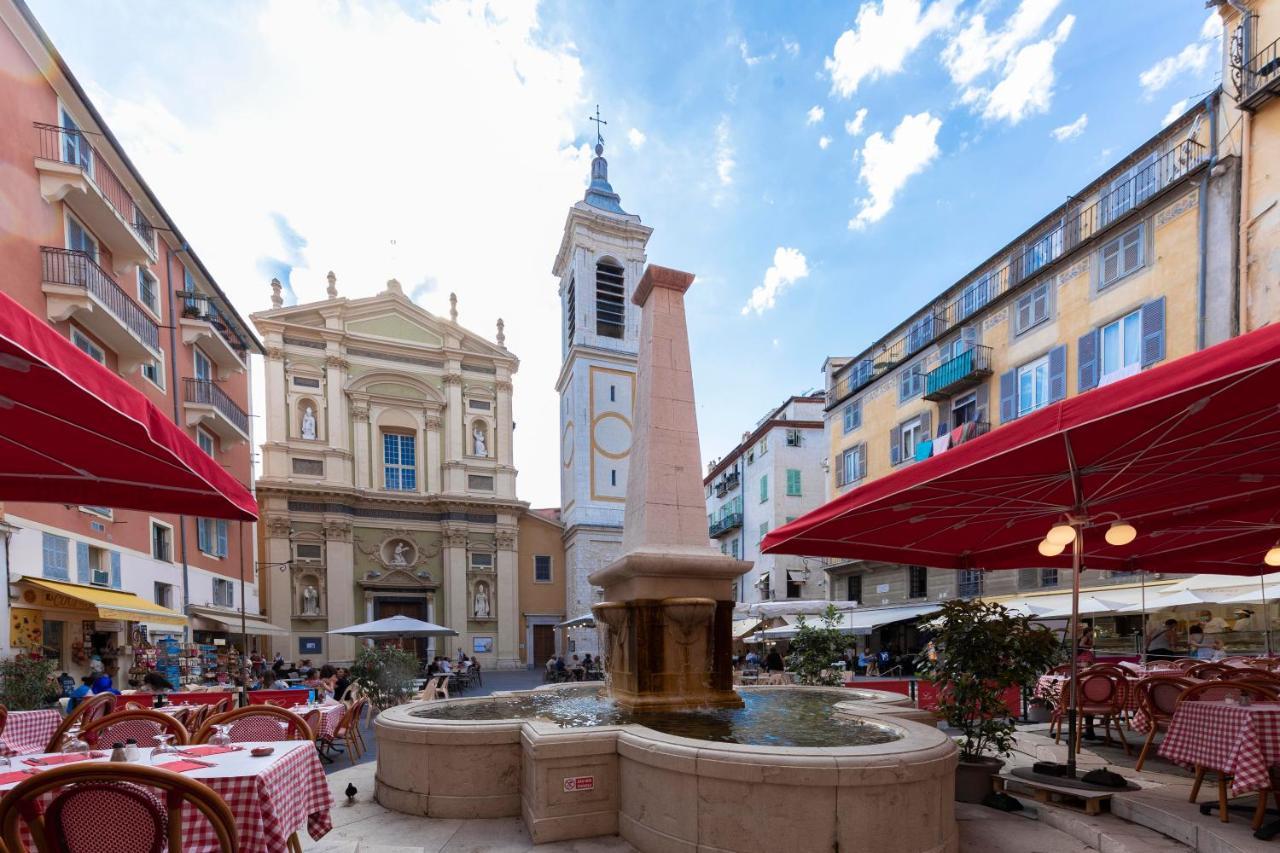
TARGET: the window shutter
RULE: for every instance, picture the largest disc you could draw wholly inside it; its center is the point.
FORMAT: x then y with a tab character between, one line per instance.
1008	396
115	570
82	563
202	535
1087	356
860	470
1057	373
1110	262
926	425
982	398
222	538
895	452
1153	332
1131	250
968	337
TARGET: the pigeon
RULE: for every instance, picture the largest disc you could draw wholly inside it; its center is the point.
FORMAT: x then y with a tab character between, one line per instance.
351	793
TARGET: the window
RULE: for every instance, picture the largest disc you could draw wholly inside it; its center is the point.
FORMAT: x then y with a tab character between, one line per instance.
852	416
204	438
1120	256
542	569
969	583
224	592
102	511
1033	385
86	345
911	382
920	333
54	550
764	488
763	447
610	301
482	561
309	552
613	476
793	438
75	148
853	588
911	433
99	566
793	482
399	469
163	594
1032	308
794	587
148	293
613	393
764	530
161	541
1121	346
1130	188
1043	251
570	310
733	548
1048	577
917	582
751	456
853	465
974	296
80	240
211	536
203	367
152	373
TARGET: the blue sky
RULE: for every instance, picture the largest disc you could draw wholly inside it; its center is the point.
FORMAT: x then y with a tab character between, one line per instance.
441	143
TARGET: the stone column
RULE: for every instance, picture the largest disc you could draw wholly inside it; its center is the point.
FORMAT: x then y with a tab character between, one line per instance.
361	447
340	561
433	461
280	584
336	421
454	473
507	566
456	611
504	429
277	390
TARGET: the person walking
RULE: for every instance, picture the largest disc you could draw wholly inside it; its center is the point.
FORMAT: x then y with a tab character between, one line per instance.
1161	640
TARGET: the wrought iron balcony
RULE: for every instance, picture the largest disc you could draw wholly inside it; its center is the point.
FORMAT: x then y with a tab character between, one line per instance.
205	323
209	404
727	484
1260	77
966	370
724	524
75	285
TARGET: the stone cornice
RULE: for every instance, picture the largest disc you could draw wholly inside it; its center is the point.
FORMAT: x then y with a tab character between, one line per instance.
267	487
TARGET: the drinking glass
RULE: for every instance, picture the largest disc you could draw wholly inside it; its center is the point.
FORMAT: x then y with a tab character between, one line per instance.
163	746
71	741
221	735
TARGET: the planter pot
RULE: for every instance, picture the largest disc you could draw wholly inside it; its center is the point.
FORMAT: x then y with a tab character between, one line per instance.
1039	713
973	778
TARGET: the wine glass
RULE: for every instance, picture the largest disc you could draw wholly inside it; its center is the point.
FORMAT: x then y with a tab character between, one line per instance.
163	747
72	742
221	735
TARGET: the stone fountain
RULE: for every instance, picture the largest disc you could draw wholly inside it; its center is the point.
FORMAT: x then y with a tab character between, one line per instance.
668	608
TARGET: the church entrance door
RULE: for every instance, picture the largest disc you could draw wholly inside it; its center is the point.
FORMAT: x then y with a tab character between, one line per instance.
415	608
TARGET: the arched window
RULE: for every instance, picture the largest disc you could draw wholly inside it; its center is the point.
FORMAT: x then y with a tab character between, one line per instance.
611	295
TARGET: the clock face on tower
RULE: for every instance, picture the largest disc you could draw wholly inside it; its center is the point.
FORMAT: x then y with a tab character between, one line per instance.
566	445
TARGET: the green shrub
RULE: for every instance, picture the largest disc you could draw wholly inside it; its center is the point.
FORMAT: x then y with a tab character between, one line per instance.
815	647
386	674
24	682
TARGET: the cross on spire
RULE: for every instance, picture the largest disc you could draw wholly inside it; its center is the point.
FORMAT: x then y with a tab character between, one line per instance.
599	121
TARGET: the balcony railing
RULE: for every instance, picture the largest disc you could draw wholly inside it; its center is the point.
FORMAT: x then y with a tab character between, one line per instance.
724	524
73	147
206	392
77	269
958	374
1026	262
198	307
727	484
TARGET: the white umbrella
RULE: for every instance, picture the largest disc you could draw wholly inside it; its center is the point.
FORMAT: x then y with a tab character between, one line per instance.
587	621
396	626
1185	598
1089	605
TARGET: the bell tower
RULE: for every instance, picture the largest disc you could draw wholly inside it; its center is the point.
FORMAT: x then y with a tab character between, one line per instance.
599	264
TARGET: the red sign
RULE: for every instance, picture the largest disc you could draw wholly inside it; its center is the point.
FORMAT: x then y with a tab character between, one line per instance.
579	783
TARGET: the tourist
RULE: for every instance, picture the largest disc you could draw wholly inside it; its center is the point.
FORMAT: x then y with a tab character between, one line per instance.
154	682
773	662
560	668
1160	640
1212	624
82	692
1084	643
884	660
102	684
446	668
328	679
342	684
579	671
66	684
313	682
1197	646
753	660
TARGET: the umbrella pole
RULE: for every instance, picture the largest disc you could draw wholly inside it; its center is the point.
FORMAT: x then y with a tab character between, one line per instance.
1266	616
1073	701
1142	630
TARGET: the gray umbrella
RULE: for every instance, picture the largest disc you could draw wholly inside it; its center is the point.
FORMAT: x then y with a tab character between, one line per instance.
397	626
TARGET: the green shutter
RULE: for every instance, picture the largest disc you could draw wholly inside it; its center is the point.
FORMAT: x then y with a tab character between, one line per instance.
764	488
793	482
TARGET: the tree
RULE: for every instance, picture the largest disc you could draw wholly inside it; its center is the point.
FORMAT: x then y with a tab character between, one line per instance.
815	648
24	682
386	674
980	650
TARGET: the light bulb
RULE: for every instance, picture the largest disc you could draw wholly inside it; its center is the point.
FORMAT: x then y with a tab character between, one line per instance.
1121	533
1048	548
1273	557
1061	534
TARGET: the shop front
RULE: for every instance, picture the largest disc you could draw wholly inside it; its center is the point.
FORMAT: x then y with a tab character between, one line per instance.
88	629
217	648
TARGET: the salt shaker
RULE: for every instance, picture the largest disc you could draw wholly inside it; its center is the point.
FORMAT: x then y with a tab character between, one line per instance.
131	751
117	752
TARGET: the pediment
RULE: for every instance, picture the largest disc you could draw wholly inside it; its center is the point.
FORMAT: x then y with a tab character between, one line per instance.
397	327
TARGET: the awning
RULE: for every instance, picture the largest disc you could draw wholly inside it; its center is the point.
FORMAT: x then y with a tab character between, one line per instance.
859	622
587	621
229	621
107	603
74	432
796	575
742	627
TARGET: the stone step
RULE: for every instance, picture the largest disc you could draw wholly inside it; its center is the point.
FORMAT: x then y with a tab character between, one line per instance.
1107	833
1177	820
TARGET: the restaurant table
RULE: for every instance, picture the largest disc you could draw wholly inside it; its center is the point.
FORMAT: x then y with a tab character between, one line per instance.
1240	740
330	716
271	797
28	732
1049	688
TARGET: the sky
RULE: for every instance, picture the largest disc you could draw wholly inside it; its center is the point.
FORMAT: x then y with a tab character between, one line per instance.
824	169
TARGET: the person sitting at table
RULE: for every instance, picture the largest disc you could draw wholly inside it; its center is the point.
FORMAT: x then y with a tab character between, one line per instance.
1084	645
577	669
560	669
588	665
102	684
446	668
312	681
773	663
1197	646
328	679
82	692
154	682
341	683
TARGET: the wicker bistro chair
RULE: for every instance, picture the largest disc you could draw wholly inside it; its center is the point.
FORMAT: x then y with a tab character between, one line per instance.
347	730
1158	696
4	719
89	710
111	808
141	725
1213	691
257	723
1100	695
1209	670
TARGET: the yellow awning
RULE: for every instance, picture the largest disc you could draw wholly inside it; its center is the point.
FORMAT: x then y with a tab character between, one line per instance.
109	603
231	620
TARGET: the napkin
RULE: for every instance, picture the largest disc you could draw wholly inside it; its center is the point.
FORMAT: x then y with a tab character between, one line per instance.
64	758
15	776
183	766
202	751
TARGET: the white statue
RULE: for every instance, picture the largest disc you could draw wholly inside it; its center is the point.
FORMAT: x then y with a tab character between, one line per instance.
481	601
397	554
308	423
311	601
477	436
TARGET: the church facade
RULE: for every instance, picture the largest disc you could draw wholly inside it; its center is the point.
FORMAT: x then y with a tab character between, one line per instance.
388	484
599	263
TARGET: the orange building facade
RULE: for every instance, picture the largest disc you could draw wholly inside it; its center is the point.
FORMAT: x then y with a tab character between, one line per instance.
87	246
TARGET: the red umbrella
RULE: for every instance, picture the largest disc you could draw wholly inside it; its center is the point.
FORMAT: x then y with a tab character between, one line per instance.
74	432
1186	453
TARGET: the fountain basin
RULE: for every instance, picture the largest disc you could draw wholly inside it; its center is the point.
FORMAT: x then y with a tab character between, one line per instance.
665	792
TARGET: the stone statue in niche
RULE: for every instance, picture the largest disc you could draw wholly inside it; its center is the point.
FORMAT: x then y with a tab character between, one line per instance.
308	423
311	601
481	601
478	439
398	554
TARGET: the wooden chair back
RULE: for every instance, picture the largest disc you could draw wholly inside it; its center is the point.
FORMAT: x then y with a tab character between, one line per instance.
142	725
90	709
1158	695
256	722
1103	690
124	808
1209	670
1213	691
1185	664
1238	673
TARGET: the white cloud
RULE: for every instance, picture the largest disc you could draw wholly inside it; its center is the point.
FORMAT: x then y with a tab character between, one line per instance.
789	266
745	51
1212	27
518	76
1174	111
792	48
636	137
815	115
882	37
853	126
1027	87
1192	58
1071	131
724	152
888	163
823	142
974	51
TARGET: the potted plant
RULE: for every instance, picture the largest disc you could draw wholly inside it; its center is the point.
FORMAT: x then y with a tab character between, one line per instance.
386	674
815	647
979	651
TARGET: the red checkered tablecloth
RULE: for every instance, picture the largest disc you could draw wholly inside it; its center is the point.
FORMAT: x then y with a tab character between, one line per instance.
28	732
1242	740
1049	688
330	717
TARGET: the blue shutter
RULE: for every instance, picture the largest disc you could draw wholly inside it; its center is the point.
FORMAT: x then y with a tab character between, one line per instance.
1087	358
115	570
202	535
1153	332
1057	373
1008	396
82	562
895	451
222	538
